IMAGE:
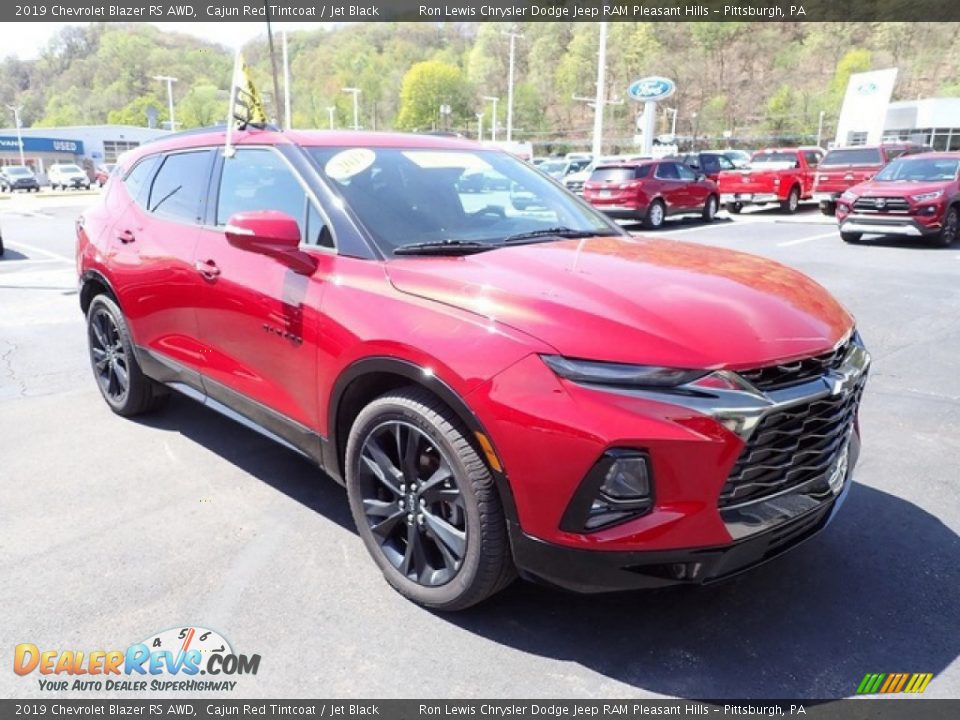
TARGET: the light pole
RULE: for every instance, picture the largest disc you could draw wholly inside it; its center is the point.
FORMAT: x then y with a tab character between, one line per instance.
513	38
479	127
601	80
820	127
169	81
356	105
693	116
16	121
673	122
493	126
330	110
287	116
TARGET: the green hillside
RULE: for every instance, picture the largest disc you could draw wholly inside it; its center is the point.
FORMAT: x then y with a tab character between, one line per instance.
763	81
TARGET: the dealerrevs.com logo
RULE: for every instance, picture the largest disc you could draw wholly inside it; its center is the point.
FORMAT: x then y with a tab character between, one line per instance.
171	660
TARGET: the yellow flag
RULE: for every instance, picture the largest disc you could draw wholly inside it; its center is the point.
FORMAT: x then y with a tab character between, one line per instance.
249	108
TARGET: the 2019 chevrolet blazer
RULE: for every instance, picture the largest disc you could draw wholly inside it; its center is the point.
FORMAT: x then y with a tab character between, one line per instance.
502	388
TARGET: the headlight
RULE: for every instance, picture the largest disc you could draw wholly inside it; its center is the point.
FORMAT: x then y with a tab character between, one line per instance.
848	195
925	197
605	373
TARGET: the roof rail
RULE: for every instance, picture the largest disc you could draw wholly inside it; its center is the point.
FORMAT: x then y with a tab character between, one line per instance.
269	127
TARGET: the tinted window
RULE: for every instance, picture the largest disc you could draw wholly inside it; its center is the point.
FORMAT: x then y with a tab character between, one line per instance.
138	177
179	185
709	163
724	162
667	171
317	231
853	156
260	180
813	157
788	159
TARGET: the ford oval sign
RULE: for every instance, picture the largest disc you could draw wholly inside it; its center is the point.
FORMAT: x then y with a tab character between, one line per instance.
651	89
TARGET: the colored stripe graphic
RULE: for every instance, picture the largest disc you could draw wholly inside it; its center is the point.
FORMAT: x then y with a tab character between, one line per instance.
889	683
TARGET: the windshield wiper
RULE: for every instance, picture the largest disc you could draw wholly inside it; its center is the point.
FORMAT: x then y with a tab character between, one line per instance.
554	232
444	247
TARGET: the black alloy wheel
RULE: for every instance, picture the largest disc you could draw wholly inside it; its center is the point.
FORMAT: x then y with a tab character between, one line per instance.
948	231
111	364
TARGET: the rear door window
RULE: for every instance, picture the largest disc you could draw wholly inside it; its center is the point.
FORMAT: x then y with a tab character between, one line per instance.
667	171
179	186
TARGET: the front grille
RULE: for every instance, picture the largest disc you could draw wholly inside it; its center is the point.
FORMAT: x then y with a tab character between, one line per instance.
868	204
774	377
791	447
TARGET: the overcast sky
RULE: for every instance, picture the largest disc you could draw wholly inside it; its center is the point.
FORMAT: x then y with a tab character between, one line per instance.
25	40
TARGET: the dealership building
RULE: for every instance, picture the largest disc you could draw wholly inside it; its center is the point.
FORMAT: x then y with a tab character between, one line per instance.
86	145
931	121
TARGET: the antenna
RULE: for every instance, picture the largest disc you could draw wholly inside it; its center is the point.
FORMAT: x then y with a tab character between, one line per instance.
273	57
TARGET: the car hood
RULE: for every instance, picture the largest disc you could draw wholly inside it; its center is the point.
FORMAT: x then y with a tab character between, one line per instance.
638	300
897	189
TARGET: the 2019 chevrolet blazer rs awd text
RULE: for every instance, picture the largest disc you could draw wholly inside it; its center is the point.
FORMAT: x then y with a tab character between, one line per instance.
503	389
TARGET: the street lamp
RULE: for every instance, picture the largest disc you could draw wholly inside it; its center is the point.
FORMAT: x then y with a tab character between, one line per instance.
169	81
513	38
330	110
16	121
356	105
673	122
493	131
479	127
820	127
693	117
445	111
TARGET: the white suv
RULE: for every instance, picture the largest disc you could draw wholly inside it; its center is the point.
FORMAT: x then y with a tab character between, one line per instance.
67	176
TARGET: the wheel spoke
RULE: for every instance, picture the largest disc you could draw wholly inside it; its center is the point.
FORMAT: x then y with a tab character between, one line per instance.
98	332
381	466
450	561
407	451
431	485
447	534
121	374
414	560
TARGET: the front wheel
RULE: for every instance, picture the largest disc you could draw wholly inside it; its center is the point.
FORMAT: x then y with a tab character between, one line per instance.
792	202
828	208
734	208
710	209
850	237
121	381
948	231
425	503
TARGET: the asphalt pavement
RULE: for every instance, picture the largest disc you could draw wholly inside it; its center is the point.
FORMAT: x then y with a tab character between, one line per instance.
112	530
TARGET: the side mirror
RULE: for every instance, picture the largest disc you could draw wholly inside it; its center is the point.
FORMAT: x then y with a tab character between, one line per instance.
701	177
271	233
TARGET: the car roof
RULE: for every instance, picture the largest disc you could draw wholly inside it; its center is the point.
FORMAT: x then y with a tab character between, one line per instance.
934	155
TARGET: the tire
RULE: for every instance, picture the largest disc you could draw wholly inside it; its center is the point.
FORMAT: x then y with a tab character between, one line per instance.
710	209
1	246
792	202
54	187
463	506
655	216
949	229
734	208
87	186
850	237
828	208
112	357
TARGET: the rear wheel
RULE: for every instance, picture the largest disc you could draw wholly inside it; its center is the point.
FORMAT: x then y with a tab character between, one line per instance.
850	237
121	381
710	209
828	208
734	208
792	202
948	231
655	216
425	503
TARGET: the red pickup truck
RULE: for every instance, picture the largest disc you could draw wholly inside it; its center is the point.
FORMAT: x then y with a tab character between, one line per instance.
775	175
842	168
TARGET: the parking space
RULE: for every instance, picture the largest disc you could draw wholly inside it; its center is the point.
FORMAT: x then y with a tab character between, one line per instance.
114	529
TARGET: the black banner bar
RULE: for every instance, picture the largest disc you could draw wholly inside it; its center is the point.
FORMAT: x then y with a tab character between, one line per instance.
482	10
862	709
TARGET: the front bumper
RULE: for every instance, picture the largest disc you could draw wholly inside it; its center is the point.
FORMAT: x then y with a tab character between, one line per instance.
901	225
74	182
749	197
589	571
25	185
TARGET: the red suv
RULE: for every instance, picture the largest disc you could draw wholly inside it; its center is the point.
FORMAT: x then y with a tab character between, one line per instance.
651	191
915	197
501	389
842	168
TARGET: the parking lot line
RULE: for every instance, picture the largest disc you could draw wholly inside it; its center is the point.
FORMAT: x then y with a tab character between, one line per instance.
800	241
31	248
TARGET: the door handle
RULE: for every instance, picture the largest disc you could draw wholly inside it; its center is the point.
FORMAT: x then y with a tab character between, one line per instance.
126	237
207	268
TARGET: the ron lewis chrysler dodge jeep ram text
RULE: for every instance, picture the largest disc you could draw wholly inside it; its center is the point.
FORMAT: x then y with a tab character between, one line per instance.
502	389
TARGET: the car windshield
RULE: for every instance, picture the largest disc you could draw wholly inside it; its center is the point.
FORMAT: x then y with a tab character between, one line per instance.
18	170
915	169
553	166
70	169
411	195
852	156
775	158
